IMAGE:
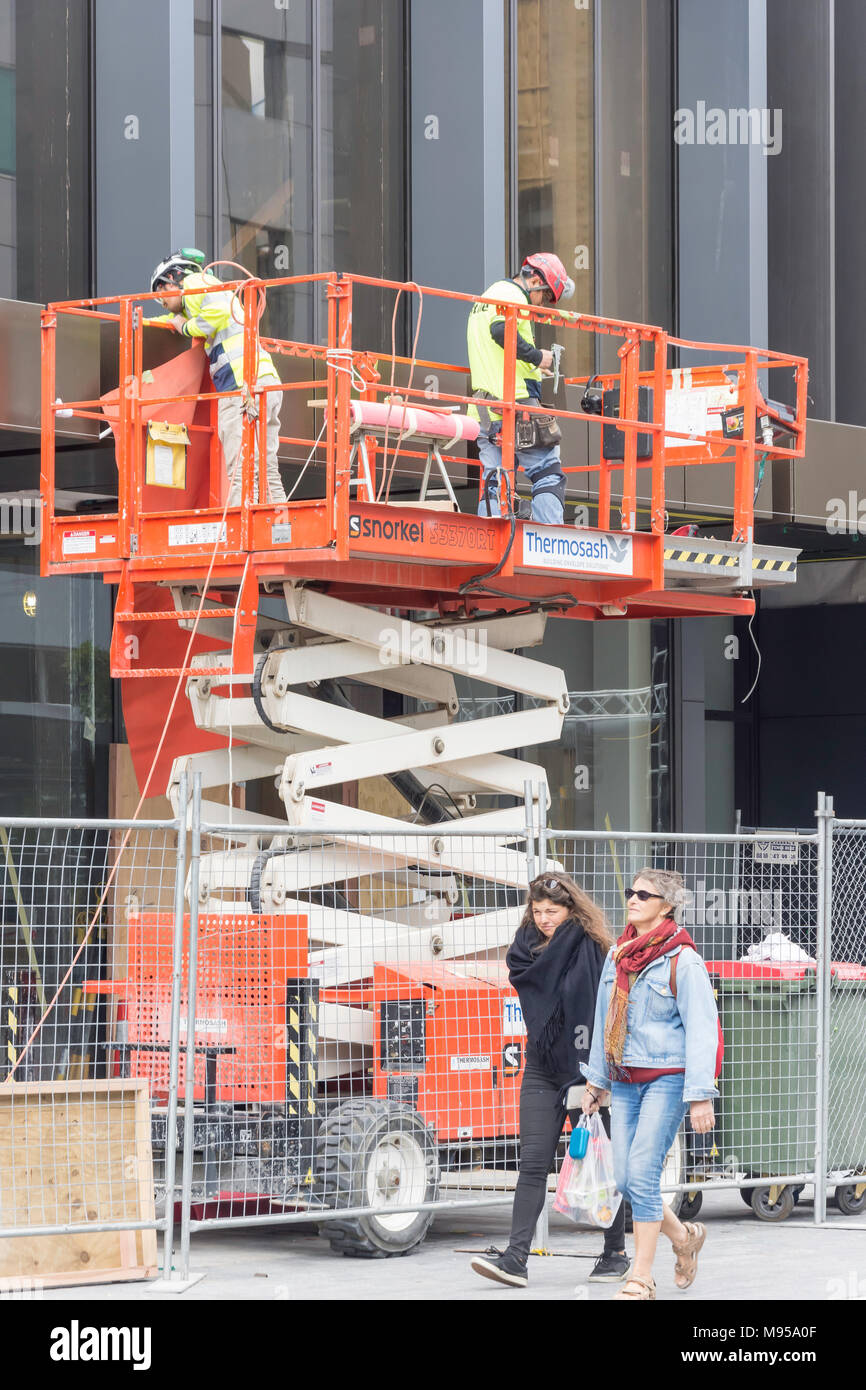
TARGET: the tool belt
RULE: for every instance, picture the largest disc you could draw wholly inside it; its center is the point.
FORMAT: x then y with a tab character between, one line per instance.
530	430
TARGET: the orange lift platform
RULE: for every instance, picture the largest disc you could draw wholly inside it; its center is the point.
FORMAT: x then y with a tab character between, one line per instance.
345	552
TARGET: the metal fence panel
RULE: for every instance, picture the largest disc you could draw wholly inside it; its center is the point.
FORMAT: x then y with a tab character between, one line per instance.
367	1048
80	1086
846	1031
326	1029
752	897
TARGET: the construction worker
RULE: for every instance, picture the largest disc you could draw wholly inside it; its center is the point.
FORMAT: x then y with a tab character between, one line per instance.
541	280
198	307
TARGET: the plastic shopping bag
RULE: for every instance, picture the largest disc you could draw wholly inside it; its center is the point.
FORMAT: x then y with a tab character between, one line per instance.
586	1190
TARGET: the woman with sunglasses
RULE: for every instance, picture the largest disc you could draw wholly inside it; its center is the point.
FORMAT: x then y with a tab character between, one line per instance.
554	963
656	1046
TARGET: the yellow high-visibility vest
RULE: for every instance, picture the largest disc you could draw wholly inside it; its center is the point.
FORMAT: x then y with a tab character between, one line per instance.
217	316
486	358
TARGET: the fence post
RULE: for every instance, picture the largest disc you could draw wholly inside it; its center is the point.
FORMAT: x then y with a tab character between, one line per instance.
189	1062
530	828
542	827
541	1235
823	955
174	1034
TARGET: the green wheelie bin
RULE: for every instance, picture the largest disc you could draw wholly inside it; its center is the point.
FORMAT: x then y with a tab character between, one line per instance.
846	1151
766	1114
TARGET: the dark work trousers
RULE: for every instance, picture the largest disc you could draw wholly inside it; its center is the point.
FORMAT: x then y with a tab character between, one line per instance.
542	1117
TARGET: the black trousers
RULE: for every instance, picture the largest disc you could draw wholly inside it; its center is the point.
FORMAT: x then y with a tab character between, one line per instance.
542	1117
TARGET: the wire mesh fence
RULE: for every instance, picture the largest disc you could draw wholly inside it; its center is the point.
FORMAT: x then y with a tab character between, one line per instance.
259	1025
77	1179
846	1009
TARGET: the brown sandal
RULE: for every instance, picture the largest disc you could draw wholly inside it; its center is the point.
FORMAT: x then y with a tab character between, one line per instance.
687	1253
648	1289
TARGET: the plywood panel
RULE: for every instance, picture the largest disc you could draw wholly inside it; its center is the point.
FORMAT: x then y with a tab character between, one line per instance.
72	1153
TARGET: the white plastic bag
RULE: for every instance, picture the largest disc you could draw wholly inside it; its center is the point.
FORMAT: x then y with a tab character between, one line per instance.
586	1190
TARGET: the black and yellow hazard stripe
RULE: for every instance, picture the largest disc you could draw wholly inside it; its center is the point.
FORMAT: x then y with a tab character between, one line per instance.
302	1063
10	1021
779	566
723	560
82	1016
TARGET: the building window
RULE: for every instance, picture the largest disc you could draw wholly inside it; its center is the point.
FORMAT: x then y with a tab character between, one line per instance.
44	150
266	157
552	46
55	692
310	165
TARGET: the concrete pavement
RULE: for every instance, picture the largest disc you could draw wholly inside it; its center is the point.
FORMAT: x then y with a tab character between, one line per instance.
743	1259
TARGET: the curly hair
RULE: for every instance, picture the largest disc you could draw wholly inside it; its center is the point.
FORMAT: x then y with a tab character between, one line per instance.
557	887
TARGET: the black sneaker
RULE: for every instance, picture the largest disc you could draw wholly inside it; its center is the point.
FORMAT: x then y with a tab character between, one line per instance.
504	1268
610	1268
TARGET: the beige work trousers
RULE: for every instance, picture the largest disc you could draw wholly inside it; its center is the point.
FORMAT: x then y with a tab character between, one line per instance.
230	427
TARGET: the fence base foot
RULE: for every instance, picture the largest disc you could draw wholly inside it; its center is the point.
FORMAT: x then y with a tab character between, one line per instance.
174	1285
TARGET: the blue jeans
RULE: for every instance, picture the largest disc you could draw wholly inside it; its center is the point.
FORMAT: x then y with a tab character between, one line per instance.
542	467
644	1119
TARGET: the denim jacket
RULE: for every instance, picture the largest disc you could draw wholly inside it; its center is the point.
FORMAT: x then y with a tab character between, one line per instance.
663	1031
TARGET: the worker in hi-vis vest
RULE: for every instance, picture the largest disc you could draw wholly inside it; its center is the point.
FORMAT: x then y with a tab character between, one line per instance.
541	280
198	307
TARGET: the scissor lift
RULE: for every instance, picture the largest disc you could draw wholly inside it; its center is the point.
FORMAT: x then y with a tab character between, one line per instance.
403	596
340	559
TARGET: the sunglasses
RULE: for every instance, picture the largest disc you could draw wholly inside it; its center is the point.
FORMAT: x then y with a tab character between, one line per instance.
550	885
642	894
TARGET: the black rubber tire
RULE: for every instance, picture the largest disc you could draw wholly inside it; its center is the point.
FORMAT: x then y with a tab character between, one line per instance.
347	1140
847	1202
747	1193
780	1211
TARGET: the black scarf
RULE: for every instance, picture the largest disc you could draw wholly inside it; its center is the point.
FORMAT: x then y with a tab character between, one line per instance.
556	988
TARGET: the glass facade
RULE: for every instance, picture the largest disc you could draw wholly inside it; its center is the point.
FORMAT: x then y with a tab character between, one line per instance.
552	46
204	115
611	766
302	165
815	197
265	206
297	191
583	154
44	150
55	691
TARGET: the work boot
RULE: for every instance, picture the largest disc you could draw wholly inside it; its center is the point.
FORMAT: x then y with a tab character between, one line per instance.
504	1268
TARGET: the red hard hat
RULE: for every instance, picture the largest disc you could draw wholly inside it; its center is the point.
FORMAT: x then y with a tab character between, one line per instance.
552	272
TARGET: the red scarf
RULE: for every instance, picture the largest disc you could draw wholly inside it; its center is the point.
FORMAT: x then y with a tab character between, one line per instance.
632	954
